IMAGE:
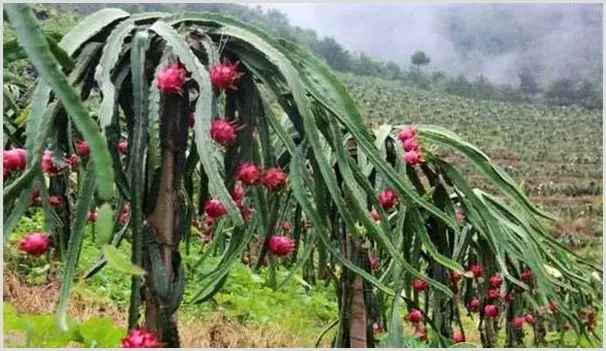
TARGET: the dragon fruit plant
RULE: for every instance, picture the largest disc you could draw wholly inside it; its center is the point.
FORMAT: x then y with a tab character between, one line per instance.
206	121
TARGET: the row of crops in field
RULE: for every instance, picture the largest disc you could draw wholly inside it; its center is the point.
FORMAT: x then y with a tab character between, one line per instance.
556	152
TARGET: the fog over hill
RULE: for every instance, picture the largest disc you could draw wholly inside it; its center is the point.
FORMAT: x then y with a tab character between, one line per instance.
496	40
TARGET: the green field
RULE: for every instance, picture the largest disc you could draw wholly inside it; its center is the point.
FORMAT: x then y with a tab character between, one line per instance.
555	151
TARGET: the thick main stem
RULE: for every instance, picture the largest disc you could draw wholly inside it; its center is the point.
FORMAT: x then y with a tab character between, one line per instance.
164	219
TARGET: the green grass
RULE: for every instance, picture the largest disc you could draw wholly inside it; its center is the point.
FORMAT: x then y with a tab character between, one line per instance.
246	297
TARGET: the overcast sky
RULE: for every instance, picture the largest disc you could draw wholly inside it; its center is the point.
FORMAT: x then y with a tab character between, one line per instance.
405	28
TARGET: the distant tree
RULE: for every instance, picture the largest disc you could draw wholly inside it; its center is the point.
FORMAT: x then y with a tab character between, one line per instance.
307	38
393	70
561	92
589	95
278	23
334	54
419	59
459	86
438	76
528	83
366	66
482	88
509	93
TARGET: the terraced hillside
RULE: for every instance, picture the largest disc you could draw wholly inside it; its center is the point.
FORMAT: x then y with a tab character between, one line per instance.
556	152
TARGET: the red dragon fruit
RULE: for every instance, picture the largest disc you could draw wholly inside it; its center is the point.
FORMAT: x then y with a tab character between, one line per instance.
413	157
477	270
55	201
36	198
274	179
458	338
415	316
553	306
224	132
73	160
491	311
455	276
224	75
215	208
238	193
375	215
281	246
526	276
15	159
375	262
249	173
286	227
411	144
474	304
529	319
123	218
141	338
82	148
49	166
247	213
460	216
493	294
35	244
171	79
518	322
93	216
495	281
420	285
123	146
389	199
408	132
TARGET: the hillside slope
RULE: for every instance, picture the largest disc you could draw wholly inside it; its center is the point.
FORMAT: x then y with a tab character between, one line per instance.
557	152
